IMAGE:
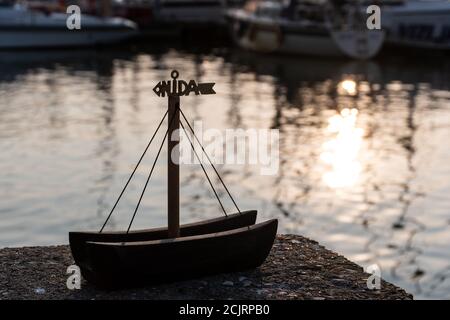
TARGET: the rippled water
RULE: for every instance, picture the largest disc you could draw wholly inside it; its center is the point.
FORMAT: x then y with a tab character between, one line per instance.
365	157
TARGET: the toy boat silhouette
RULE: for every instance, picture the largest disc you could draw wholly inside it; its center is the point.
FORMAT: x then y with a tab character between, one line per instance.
78	240
129	258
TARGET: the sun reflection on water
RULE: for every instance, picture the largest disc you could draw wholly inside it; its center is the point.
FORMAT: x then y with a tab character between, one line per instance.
341	153
347	87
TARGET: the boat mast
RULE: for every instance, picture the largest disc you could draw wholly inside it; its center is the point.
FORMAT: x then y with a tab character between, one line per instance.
174	89
173	168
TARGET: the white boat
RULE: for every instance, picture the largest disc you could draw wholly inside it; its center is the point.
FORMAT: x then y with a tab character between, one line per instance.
421	24
21	27
295	28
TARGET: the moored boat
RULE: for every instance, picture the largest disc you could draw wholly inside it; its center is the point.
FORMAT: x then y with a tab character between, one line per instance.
300	28
419	24
22	27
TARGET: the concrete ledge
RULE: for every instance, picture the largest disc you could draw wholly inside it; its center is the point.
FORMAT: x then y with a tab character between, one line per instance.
297	268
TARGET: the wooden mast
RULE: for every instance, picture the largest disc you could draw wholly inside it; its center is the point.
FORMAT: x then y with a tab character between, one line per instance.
174	89
173	168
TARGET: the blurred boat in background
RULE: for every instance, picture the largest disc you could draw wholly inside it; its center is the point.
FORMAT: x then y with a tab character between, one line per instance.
312	27
139	11
304	27
190	11
174	12
415	23
24	27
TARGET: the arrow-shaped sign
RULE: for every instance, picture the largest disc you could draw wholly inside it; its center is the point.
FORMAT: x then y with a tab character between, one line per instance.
182	88
206	88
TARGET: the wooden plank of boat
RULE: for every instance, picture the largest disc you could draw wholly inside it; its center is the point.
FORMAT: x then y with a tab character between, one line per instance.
129	264
78	240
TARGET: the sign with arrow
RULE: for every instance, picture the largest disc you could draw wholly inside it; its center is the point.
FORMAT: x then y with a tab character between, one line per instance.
180	88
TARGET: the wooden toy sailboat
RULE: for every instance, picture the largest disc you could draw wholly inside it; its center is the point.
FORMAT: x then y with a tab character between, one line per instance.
135	258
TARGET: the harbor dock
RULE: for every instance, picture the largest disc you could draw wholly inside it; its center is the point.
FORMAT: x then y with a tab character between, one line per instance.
297	268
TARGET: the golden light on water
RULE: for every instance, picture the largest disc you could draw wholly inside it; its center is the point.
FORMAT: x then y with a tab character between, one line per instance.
347	87
341	152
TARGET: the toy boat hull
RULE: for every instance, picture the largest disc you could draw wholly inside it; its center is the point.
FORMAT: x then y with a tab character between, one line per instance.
129	264
233	221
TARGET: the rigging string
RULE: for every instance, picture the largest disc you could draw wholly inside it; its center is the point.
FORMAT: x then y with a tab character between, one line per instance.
154	163
201	164
134	171
153	167
206	154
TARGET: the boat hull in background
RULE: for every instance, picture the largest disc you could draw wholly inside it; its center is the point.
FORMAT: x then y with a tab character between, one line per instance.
131	264
22	27
418	24
307	41
52	37
359	44
78	240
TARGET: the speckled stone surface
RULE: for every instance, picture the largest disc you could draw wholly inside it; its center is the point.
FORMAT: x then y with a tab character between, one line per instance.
297	268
